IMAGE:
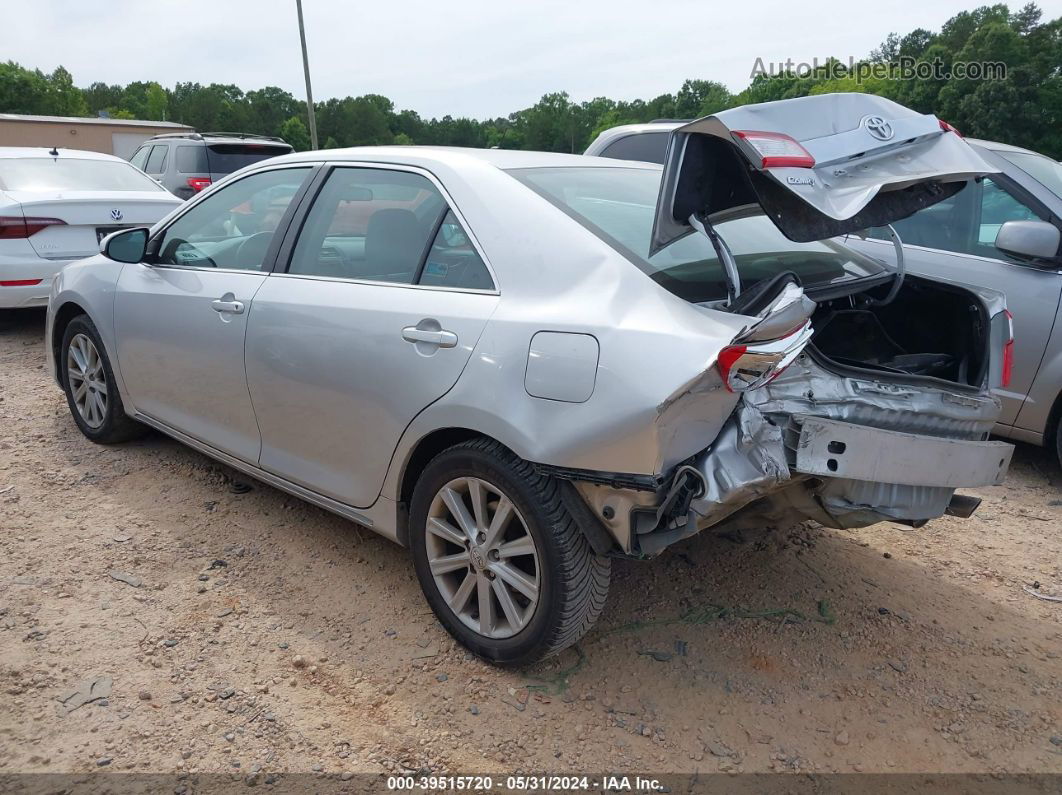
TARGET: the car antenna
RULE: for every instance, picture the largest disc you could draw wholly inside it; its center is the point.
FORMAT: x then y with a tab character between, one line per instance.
54	152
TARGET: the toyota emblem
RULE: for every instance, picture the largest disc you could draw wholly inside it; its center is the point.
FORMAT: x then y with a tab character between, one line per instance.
878	127
116	214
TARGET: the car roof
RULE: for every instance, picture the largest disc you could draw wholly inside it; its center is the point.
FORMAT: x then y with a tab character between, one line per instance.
504	159
46	151
996	146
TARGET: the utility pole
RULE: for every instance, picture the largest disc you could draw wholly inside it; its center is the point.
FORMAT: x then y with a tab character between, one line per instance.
306	71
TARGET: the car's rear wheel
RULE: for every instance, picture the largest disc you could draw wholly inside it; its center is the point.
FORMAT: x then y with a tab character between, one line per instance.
501	562
88	381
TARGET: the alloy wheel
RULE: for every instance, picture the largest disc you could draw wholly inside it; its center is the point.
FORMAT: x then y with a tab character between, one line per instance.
482	557
87	379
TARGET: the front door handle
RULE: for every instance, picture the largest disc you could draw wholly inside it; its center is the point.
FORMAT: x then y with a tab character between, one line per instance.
229	307
442	338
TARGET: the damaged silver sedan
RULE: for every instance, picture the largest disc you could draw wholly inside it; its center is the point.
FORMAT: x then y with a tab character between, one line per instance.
521	365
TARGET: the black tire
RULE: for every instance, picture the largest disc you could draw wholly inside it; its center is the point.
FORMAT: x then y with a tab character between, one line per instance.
1058	441
573	579
116	425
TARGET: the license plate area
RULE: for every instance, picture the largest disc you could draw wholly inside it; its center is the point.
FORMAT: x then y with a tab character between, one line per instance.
103	231
830	448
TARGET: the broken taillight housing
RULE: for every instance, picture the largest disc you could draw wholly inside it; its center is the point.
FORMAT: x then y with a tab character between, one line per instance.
1008	351
776	150
948	128
749	365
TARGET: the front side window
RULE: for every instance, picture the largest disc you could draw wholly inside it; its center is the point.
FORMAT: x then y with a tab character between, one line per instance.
997	207
946	225
618	205
71	174
233	227
370	224
1043	169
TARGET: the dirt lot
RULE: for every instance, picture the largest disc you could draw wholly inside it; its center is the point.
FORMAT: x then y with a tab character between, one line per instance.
242	632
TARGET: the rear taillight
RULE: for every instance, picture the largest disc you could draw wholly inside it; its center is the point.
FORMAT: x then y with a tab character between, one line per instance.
198	183
15	228
20	282
750	365
776	150
948	128
1008	351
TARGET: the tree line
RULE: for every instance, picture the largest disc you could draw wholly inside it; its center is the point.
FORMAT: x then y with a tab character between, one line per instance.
1022	107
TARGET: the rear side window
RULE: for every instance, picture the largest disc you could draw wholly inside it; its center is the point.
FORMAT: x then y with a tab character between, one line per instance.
379	225
452	261
226	158
192	160
647	147
156	162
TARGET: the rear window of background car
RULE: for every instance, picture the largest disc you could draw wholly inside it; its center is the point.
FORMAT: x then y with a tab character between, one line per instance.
192	159
226	158
50	174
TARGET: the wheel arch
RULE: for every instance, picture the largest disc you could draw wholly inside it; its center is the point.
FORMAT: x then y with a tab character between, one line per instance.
63	315
426	448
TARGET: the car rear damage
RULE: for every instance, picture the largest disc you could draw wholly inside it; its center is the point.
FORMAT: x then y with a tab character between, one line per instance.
865	406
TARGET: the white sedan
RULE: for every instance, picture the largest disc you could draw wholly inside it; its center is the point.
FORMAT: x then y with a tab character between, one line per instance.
55	207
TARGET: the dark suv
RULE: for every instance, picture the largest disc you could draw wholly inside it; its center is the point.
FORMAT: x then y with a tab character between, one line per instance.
185	163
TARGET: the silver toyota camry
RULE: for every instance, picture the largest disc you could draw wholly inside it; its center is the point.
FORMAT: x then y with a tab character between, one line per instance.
521	365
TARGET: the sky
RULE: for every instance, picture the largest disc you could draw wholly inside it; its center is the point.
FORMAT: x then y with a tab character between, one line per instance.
478	58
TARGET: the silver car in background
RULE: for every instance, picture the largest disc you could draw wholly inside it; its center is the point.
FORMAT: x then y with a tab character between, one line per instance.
522	364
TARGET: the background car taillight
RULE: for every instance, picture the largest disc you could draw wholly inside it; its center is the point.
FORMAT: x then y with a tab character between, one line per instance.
16	228
776	150
1008	351
198	183
751	365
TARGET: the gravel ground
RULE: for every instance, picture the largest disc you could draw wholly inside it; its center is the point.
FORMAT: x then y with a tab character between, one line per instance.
156	616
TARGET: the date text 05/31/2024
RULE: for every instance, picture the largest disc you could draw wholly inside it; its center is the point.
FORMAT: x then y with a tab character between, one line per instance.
524	783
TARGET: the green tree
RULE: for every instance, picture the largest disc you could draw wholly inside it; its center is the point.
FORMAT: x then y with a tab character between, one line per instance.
295	133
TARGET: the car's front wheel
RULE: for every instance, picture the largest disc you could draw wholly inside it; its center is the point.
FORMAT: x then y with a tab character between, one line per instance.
501	561
88	381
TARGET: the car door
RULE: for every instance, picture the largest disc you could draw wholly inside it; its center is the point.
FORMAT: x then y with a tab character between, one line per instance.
181	316
955	240
384	296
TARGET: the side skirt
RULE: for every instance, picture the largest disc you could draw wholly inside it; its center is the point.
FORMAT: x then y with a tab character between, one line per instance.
273	480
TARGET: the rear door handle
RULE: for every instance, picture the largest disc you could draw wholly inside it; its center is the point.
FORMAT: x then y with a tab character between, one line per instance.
230	307
444	339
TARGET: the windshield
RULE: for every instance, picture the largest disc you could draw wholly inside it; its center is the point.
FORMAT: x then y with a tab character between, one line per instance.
1043	169
66	173
617	205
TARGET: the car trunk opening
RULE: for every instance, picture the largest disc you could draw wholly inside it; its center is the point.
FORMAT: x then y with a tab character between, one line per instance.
928	330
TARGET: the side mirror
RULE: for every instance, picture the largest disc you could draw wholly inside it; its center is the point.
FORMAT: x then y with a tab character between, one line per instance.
128	245
1037	240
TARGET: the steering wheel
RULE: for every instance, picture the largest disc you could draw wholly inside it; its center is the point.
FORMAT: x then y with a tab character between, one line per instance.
251	252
